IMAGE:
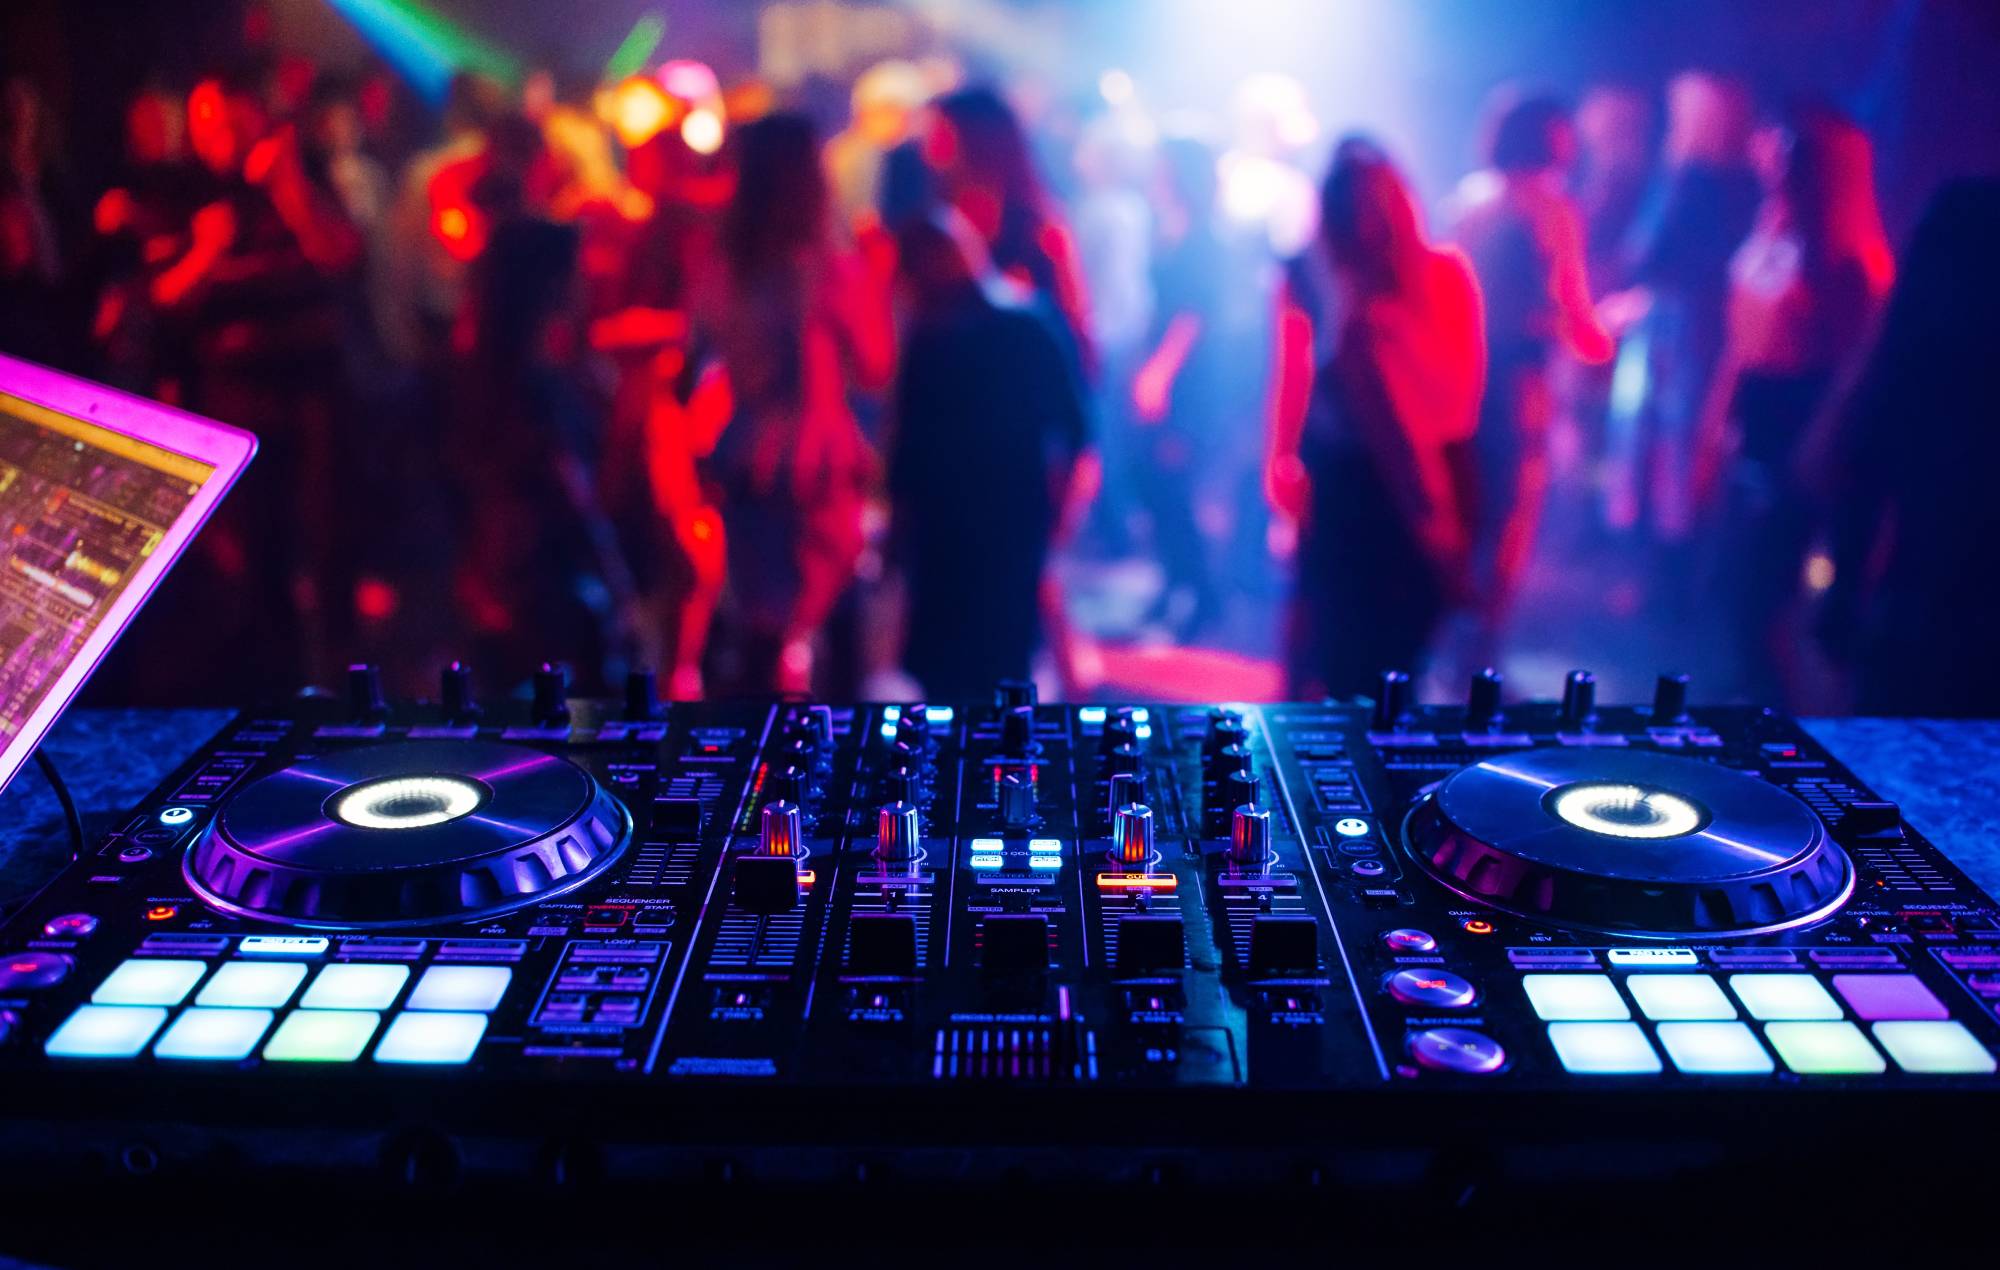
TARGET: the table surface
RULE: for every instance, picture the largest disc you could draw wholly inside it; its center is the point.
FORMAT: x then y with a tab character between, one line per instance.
1945	773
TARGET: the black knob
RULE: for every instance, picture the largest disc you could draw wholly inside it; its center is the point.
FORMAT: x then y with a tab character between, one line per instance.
790	783
1250	835
1225	728
1017	801
1482	703
1119	729
817	725
903	754
1132	834
1228	761
899	832
1393	696
455	698
1123	760
913	725
1871	819
1579	703
1126	787
551	707
781	830
1010	694
642	696
1017	730
901	785
1670	699
1239	789
364	692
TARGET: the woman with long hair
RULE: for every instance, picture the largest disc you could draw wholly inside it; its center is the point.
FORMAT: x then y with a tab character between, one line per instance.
986	173
1805	289
1367	450
798	326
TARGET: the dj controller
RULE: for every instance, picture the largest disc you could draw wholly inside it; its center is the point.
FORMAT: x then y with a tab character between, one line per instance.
1347	945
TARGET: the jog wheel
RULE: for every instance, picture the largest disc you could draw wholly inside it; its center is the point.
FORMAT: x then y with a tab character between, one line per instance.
1629	844
405	834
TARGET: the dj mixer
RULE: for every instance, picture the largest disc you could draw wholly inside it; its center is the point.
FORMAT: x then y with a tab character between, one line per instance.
994	939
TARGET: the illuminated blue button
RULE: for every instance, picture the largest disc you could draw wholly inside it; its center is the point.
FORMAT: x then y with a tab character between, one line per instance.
174	816
1350	827
1141	714
354	986
1045	862
1603	1049
322	1036
1679	997
1045	846
215	1035
937	716
267	984
460	988
106	1031
431	1038
1574	997
1784	996
1715	1049
1933	1048
149	981
282	945
1635	958
1090	714
1824	1049
985	861
1873	997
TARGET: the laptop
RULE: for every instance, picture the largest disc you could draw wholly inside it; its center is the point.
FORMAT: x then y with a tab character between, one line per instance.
100	492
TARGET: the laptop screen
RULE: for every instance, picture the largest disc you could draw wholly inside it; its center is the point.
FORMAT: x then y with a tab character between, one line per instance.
90	515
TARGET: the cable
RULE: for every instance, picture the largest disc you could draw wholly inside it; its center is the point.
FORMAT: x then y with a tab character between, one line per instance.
48	766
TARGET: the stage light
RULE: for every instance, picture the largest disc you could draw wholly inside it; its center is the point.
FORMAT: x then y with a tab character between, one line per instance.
1116	87
639	110
425	49
638	45
702	131
691	81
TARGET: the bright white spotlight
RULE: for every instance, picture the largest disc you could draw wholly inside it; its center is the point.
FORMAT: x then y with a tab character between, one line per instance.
702	131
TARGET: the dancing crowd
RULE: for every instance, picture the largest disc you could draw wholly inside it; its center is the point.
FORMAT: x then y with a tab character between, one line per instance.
652	373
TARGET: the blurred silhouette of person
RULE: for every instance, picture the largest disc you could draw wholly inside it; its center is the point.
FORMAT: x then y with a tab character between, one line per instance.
1904	466
35	268
798	327
1670	317
1181	392
1805	289
988	423
985	170
1516	223
1614	131
1368	451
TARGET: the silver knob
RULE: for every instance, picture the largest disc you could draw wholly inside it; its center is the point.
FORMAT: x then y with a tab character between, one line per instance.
782	831
898	832
1250	835
1132	834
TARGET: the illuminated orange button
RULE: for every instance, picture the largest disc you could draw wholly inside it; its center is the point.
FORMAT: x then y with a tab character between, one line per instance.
1137	882
1478	926
161	912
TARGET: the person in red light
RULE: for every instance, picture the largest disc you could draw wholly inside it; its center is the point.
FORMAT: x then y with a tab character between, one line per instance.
980	154
1805	289
1516	222
798	326
1368	450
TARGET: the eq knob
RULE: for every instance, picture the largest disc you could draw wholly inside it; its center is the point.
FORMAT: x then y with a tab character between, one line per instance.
790	784
1239	789
364	693
1250	835
1579	703
455	699
817	724
551	696
1119	729
913	725
1132	834
642	696
1670	699
902	785
898	832
781	831
1126	787
1394	695
1482	702
1124	760
1016	798
1225	728
1017	730
1227	762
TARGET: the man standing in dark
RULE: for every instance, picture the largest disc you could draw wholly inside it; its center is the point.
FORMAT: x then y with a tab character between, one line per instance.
989	425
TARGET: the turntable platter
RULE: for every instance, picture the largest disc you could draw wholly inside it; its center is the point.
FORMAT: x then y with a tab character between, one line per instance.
1631	843
407	833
